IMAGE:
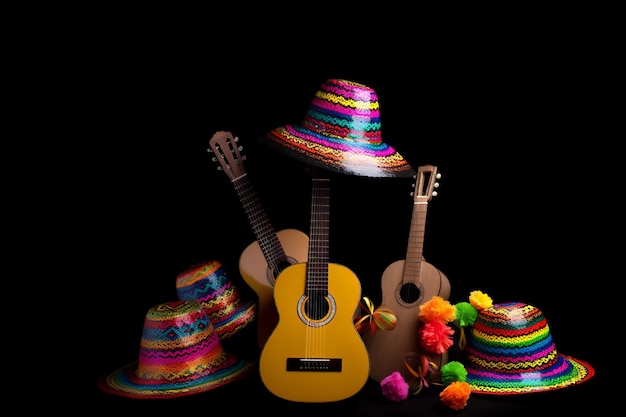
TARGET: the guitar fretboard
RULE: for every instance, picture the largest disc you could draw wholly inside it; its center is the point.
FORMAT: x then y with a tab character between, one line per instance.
317	266
263	230
415	247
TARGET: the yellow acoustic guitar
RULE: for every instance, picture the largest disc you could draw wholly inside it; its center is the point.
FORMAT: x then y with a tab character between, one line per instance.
315	353
262	261
406	285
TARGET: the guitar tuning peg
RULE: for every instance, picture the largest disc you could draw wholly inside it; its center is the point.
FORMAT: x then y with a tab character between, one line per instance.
436	184
434	193
438	176
209	150
240	148
236	138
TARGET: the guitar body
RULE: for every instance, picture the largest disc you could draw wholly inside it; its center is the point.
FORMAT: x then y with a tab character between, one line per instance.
318	361
260	276
387	348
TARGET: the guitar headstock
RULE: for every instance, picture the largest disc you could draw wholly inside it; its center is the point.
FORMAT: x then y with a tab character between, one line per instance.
425	183
224	146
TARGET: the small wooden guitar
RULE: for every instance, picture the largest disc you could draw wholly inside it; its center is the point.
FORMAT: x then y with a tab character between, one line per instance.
264	259
407	284
315	353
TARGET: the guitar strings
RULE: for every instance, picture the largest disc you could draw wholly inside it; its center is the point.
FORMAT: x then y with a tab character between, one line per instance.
317	273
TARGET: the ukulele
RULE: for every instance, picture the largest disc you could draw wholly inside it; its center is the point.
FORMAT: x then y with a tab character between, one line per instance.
264	259
407	284
315	353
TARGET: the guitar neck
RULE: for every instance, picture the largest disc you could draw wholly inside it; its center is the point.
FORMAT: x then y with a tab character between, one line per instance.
264	232
317	266
415	247
425	184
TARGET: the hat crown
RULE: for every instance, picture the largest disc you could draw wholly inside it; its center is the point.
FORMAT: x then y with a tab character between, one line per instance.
513	338
208	283
178	340
345	110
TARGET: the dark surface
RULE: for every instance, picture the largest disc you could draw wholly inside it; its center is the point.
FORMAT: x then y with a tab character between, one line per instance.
519	213
249	396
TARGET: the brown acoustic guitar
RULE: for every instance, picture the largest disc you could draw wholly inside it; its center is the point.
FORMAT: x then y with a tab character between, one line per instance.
264	259
406	284
315	353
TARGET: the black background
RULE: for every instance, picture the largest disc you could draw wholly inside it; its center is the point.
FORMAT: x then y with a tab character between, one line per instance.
517	126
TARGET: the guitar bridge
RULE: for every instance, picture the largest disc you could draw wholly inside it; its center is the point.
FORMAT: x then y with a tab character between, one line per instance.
313	365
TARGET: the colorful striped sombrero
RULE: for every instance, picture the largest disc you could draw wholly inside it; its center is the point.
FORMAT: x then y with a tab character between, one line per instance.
180	354
341	132
510	351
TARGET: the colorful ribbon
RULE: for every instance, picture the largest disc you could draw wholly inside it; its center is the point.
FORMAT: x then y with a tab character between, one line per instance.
419	366
383	317
462	340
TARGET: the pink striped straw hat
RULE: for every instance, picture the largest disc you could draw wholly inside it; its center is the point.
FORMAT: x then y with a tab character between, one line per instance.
341	132
179	354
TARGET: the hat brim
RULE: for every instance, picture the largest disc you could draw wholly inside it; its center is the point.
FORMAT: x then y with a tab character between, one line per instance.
566	371
125	383
229	326
338	155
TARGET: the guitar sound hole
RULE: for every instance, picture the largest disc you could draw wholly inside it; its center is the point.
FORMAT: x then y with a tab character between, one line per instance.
409	293
316	306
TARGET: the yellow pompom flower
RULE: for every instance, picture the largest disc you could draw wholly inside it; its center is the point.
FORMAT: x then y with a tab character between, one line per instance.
437	309
480	300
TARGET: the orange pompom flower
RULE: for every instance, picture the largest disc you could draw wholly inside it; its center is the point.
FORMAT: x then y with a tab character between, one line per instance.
456	395
437	309
435	336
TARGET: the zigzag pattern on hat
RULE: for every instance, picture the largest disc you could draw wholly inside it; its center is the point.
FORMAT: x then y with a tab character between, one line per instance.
566	373
208	283
341	131
510	350
180	354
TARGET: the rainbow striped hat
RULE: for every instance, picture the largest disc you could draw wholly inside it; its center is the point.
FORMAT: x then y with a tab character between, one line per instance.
341	132
510	351
208	283
179	354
